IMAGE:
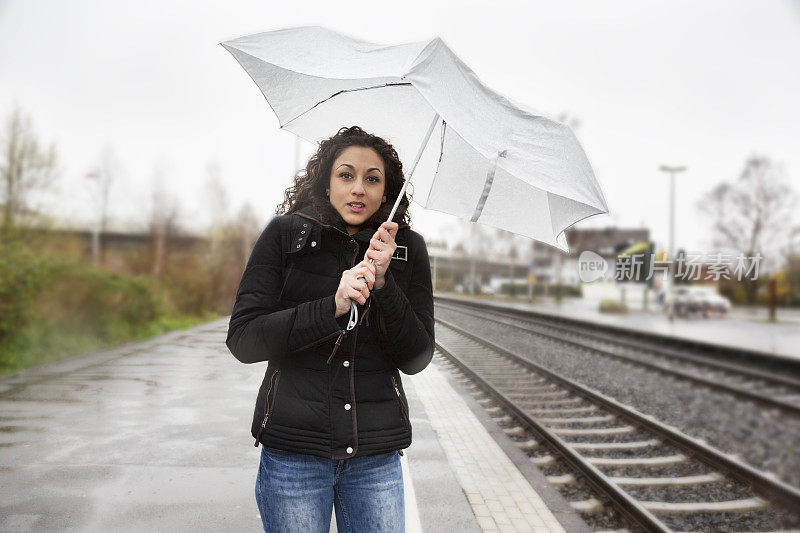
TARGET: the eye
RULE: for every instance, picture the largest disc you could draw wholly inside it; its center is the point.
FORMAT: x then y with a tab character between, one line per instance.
374	179
343	174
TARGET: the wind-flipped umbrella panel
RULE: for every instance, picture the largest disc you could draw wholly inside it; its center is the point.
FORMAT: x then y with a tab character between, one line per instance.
488	160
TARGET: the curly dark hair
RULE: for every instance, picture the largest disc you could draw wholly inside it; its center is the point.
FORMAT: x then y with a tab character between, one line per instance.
311	182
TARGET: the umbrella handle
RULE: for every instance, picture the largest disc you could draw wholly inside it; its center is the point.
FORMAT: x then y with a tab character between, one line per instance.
353	309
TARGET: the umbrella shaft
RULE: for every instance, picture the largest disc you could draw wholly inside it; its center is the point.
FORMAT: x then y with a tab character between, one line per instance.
414	166
353	308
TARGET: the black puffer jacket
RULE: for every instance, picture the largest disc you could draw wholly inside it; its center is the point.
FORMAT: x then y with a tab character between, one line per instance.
327	392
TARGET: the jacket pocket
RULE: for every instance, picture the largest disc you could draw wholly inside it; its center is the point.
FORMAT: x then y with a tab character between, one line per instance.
269	403
400	401
339	334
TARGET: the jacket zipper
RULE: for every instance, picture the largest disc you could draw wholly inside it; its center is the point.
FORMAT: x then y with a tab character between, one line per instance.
341	333
335	346
365	312
400	401
268	405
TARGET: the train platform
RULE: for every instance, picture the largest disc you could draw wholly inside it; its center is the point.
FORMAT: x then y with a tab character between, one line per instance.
154	435
740	331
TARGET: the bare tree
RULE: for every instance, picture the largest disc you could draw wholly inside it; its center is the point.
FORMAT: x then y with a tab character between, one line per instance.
248	230
223	235
163	223
26	168
103	177
227	258
791	273
216	196
750	214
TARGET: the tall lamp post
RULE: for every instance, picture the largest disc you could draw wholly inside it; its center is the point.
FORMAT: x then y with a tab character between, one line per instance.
672	171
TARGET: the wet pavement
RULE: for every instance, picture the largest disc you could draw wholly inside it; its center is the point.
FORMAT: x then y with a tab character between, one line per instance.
148	436
155	436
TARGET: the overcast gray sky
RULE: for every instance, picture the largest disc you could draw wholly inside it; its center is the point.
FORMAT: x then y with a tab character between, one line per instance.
704	84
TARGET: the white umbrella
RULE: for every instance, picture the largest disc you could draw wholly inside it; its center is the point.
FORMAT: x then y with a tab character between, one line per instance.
493	161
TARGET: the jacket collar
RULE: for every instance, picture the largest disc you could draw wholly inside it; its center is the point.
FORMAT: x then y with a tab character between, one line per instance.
321	211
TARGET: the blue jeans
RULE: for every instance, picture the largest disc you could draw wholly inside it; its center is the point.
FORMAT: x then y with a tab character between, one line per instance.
296	492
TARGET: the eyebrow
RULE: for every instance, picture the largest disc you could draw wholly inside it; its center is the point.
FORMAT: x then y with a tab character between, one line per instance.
352	167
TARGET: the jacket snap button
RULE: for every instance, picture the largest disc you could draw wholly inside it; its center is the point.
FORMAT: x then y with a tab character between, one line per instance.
305	225
347	407
313	243
300	239
349	449
298	246
346	363
302	232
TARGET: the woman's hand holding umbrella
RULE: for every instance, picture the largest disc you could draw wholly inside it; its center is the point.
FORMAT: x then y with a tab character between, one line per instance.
369	274
381	249
355	285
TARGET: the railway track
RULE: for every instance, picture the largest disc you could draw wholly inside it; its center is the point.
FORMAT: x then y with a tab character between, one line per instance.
765	387
657	477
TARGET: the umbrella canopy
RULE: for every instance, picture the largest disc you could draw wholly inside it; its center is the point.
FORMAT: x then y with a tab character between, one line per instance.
492	160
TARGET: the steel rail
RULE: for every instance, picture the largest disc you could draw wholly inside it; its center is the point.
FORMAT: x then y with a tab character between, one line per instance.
766	483
709	382
693	358
781	362
628	505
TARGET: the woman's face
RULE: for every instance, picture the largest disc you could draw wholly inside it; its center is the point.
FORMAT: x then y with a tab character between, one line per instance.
357	185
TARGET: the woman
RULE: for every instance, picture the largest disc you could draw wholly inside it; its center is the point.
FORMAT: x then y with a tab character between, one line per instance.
331	412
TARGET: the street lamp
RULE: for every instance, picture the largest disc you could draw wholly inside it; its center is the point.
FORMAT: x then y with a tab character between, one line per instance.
672	171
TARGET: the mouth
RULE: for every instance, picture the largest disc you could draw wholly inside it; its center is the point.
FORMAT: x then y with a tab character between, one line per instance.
356	207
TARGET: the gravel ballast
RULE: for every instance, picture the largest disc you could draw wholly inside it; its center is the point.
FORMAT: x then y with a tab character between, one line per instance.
766	439
761	437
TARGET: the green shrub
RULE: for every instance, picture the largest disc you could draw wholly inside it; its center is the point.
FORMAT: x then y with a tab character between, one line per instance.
51	307
541	289
613	306
22	276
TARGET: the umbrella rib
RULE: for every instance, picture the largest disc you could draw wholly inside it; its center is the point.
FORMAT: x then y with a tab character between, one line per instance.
486	186
438	163
345	91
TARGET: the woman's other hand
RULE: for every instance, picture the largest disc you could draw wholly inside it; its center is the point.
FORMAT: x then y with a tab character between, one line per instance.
381	249
351	288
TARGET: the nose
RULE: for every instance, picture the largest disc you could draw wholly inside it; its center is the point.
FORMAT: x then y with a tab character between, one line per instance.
358	187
